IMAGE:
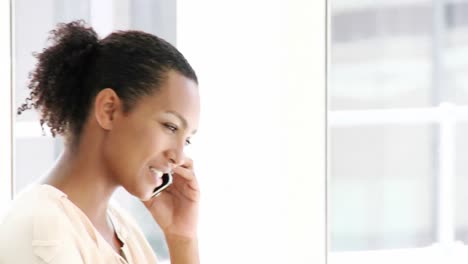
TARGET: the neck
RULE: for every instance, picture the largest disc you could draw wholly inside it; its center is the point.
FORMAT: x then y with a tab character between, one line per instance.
84	179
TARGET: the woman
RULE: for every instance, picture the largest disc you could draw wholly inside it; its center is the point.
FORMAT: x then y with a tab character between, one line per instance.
126	106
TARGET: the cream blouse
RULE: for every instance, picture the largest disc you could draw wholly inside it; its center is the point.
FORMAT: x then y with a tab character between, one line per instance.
44	226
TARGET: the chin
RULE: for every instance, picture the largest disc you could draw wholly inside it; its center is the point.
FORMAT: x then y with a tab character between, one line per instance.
145	198
143	194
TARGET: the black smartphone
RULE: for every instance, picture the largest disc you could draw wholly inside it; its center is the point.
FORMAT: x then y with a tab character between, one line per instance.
167	181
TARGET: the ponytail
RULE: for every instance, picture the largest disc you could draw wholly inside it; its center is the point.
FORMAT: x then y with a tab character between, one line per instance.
56	84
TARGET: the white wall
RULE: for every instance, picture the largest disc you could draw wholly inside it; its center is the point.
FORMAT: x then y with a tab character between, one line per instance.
260	152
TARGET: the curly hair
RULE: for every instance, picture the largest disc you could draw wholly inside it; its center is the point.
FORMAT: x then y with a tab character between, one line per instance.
77	65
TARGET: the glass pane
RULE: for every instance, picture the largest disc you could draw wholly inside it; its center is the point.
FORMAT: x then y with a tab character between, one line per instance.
29	37
461	183
456	52
32	37
155	17
381	187
380	54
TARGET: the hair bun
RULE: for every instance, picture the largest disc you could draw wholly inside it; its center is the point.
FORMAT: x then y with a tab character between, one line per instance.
60	72
74	40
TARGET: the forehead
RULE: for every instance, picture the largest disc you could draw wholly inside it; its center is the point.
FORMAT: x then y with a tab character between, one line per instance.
177	94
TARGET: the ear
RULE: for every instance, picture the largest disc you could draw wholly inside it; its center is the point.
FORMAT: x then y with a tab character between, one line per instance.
106	105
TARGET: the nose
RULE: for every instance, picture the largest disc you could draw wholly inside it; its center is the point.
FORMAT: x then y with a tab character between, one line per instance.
175	156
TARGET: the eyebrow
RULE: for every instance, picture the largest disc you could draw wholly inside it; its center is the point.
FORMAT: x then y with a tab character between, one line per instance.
182	119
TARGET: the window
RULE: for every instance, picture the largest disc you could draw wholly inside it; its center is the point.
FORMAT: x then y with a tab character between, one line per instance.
396	119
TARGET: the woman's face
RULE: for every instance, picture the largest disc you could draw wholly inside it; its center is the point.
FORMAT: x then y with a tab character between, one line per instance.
152	135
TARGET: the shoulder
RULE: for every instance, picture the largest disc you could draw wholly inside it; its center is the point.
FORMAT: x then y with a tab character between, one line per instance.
32	207
34	224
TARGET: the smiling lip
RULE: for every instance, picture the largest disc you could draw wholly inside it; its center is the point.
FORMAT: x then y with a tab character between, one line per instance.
156	176
162	169
157	173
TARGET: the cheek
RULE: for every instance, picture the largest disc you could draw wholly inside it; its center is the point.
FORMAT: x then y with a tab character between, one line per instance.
133	140
154	143
116	154
128	151
156	139
122	152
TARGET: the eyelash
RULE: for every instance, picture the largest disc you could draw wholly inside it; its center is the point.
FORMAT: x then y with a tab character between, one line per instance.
174	129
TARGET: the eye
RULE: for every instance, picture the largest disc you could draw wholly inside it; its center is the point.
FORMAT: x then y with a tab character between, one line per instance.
171	127
188	142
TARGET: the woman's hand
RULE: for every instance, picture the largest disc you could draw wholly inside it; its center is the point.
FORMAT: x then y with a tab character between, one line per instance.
176	208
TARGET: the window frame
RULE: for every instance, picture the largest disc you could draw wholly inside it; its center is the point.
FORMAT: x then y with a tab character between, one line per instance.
6	101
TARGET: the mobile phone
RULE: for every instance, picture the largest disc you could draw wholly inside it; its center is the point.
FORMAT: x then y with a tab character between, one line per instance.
167	181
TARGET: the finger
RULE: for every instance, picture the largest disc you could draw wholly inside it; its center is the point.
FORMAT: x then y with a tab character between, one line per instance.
186	177
189	189
191	193
188	163
193	184
185	173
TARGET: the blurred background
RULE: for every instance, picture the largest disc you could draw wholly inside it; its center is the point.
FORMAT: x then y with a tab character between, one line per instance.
398	150
397	118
